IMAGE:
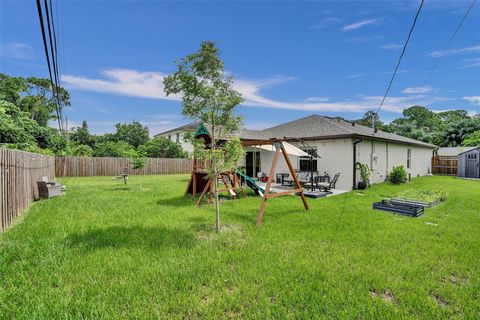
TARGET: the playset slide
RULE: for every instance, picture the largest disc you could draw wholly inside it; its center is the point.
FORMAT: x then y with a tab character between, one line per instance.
251	183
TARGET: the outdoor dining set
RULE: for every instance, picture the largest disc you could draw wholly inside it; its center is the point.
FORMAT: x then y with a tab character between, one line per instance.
319	181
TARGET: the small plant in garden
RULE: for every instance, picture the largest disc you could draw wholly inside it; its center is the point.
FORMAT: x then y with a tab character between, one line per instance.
138	162
422	195
364	173
398	175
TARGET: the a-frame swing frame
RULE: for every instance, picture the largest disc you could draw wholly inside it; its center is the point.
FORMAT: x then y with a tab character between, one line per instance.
298	188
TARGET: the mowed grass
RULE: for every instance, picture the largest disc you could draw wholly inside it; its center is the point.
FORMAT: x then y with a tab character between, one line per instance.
111	251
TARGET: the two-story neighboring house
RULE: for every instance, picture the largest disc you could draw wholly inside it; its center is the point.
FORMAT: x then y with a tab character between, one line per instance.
177	135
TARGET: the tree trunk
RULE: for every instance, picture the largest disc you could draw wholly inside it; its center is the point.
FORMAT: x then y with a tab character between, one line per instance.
217	209
215	182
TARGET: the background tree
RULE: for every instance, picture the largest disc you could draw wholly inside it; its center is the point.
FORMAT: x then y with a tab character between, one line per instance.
114	149
81	135
208	96
160	147
457	132
366	120
34	96
133	133
473	140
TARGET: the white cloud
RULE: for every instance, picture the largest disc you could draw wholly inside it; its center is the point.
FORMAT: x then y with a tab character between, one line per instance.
317	99
471	63
150	85
123	82
16	50
355	75
421	90
440	53
359	24
473	99
391	46
325	23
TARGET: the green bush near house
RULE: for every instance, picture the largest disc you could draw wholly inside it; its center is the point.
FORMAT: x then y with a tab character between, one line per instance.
398	175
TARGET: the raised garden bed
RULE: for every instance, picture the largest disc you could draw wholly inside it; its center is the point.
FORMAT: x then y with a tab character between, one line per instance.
405	209
423	198
417	203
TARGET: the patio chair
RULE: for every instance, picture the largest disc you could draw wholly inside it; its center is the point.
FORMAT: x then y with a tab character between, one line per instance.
48	189
303	177
327	186
308	185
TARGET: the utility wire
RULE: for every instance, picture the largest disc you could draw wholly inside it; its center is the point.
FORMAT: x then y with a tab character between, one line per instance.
427	78
55	61
45	46
401	55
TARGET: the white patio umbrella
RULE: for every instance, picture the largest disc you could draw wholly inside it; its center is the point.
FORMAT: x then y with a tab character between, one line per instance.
291	149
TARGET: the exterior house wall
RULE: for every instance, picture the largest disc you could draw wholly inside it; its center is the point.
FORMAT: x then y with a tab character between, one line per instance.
336	156
382	156
186	146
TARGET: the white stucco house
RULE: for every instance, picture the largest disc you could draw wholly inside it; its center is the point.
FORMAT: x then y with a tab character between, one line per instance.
339	144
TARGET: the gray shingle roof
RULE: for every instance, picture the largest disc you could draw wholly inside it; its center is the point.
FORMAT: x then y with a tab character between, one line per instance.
320	127
316	127
452	151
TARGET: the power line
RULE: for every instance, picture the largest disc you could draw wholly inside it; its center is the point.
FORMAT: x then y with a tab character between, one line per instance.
401	55
45	46
55	61
427	78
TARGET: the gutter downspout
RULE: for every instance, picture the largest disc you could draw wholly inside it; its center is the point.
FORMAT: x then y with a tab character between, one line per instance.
355	162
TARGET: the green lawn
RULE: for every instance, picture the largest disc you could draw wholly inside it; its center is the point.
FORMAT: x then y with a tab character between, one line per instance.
109	251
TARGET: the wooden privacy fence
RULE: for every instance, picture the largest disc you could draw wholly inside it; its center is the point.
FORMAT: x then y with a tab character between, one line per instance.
445	165
19	173
109	166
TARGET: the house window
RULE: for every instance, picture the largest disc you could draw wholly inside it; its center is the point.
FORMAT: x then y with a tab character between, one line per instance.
306	164
177	138
409	158
169	137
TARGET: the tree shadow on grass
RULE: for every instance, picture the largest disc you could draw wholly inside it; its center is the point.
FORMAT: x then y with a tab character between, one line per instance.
250	216
182	201
120	188
153	238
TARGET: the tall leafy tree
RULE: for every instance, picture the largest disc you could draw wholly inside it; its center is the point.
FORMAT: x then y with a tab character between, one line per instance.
457	132
473	140
208	96
133	133
81	135
35	96
366	120
161	147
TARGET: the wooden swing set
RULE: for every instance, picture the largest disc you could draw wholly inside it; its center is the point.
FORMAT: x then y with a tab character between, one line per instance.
198	178
279	148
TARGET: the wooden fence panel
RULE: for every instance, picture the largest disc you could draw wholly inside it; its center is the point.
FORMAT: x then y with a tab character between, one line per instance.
445	165
109	166
19	173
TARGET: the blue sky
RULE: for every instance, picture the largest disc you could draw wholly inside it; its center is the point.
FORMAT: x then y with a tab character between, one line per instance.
289	59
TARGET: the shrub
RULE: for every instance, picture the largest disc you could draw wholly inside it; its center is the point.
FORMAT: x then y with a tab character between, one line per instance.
398	175
364	173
